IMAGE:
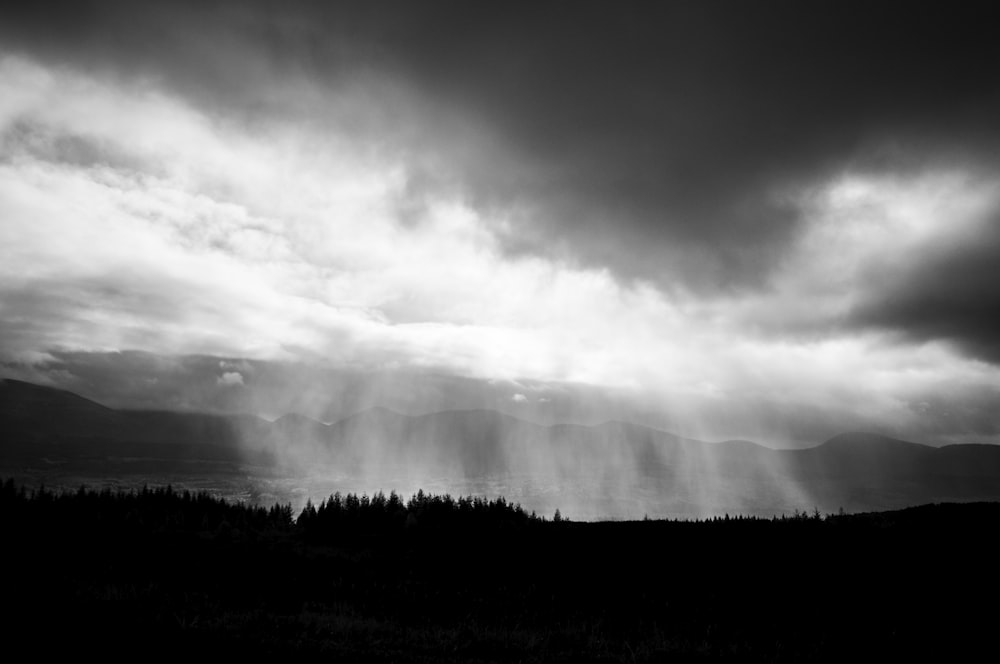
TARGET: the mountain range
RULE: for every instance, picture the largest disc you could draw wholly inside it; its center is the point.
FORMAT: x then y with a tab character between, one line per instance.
615	468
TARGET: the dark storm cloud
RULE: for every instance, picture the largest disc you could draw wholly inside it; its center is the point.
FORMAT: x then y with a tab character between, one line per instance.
655	138
950	293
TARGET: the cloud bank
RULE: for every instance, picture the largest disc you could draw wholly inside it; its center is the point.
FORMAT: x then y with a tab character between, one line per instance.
731	223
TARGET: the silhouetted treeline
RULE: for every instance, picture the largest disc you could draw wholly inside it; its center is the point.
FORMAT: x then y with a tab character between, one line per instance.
349	515
149	510
162	509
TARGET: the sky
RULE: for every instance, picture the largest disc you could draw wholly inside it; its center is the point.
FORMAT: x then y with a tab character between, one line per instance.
775	220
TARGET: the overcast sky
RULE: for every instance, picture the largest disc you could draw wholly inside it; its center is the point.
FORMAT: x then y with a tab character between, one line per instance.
772	220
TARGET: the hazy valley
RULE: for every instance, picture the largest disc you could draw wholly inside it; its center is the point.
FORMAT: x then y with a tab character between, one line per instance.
613	470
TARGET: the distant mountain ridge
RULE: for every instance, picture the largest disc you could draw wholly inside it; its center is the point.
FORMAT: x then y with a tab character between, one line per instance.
613	461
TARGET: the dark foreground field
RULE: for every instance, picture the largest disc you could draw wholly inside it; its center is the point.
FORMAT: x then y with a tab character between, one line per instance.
159	573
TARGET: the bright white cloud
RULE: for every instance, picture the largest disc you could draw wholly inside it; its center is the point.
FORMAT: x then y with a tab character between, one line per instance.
129	219
183	234
230	379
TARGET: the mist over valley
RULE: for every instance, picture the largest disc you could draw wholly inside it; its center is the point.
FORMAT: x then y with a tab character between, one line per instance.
613	470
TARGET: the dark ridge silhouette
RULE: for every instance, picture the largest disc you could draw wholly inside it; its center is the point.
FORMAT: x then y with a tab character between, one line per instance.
40	421
26	408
